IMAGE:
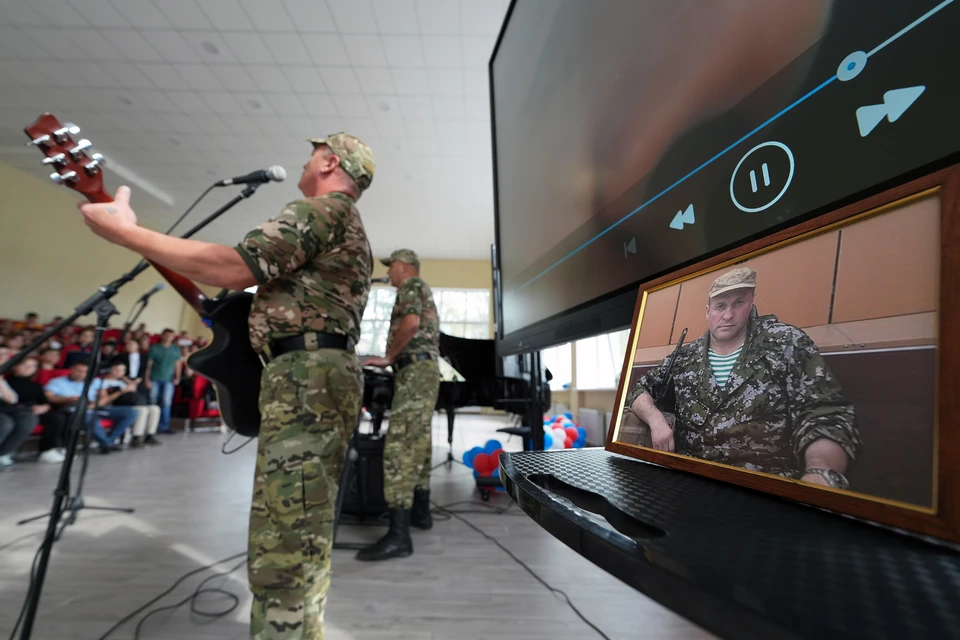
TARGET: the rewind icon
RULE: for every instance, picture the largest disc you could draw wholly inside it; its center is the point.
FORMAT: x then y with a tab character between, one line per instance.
683	217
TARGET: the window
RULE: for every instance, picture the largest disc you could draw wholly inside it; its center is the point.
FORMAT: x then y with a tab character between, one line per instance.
600	360
559	361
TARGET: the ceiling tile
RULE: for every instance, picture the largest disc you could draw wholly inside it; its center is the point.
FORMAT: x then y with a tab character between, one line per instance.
254	104
450	130
235	77
363	128
171	46
210	46
445	82
18	12
162	76
318	104
353	16
286	48
481	18
396	16
209	123
226	15
384	107
301	126
339	80
99	13
416	106
199	77
411	82
476	82
130	75
268	78
248	48
286	104
268	15
352	106
438	17
181	123
92	43
132	45
375	81
403	51
365	51
420	127
477	109
142	14
326	49
184	14
304	79
477	50
54	42
424	146
310	15
17	73
189	102
239	124
90	75
271	125
442	51
56	73
25	46
448	107
58	13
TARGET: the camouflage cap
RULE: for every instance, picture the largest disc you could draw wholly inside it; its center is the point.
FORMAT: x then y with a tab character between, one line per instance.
356	158
740	278
403	255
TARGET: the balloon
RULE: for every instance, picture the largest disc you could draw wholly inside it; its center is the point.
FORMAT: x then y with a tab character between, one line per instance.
491	446
559	419
483	463
568	443
558	443
572	433
559	433
578	444
496	472
547	441
470	455
495	456
569	415
582	432
476	474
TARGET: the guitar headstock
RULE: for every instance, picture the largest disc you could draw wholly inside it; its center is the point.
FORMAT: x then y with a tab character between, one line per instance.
76	164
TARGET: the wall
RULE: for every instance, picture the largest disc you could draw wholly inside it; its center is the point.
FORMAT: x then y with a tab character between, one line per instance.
454	274
50	261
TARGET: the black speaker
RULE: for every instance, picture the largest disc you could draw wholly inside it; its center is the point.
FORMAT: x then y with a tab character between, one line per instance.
363	497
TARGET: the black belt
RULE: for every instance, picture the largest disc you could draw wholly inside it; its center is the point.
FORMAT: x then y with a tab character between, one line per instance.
310	341
403	361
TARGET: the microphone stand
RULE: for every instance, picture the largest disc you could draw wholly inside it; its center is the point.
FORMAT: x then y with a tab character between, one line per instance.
99	302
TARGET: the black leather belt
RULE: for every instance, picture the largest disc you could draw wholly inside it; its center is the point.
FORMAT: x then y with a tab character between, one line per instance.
310	342
403	361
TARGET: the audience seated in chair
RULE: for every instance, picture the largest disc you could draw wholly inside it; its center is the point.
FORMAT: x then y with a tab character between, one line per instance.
119	391
31	396
16	424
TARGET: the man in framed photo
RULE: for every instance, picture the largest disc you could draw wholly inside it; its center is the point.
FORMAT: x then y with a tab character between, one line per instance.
751	392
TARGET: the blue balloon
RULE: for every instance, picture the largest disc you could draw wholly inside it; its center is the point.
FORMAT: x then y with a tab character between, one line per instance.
582	432
578	444
569	415
496	472
470	455
491	446
547	441
476	474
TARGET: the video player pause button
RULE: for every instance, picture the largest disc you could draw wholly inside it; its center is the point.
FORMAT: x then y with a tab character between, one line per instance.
762	176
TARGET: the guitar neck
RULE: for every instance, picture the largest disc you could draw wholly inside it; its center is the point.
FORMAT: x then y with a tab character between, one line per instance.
184	286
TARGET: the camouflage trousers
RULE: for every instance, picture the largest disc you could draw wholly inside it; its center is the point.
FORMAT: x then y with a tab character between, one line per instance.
309	401
408	449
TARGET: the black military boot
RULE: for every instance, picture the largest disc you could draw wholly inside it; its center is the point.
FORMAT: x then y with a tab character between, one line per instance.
420	514
397	542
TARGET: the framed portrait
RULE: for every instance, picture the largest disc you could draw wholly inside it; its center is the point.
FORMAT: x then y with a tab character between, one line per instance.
820	364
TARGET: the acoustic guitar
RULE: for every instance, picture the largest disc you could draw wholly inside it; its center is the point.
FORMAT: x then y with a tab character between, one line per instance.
229	361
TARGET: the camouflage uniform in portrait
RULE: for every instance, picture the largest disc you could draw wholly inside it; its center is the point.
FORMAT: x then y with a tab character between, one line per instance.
313	265
409	447
779	398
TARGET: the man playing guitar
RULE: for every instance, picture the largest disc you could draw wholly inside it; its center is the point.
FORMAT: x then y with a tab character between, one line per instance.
312	265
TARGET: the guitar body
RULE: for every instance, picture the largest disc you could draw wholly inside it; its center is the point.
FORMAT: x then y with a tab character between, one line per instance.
231	364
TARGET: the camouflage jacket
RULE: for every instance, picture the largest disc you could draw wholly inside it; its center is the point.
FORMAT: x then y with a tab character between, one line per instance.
313	265
779	398
415	297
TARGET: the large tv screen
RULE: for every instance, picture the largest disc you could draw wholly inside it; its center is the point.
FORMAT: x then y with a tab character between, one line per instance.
632	137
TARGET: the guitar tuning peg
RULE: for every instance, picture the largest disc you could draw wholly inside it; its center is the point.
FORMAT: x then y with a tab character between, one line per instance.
60	159
98	158
42	140
68	128
77	150
93	166
70	176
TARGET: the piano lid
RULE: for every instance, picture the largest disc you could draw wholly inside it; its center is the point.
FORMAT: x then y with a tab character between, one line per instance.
473	359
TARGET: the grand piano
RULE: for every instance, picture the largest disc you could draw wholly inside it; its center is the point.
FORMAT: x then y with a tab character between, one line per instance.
482	386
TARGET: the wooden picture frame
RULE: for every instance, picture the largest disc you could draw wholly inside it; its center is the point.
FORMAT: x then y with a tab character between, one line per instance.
941	516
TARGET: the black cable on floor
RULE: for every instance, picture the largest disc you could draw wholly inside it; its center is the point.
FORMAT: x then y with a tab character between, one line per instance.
223	449
523	564
192	596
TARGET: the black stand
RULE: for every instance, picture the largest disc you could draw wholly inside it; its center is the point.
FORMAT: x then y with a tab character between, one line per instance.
346	477
99	302
450	459
129	323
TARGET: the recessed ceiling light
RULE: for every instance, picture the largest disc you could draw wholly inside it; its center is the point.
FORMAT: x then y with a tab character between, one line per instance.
397	146
174	141
254	103
209	47
125	100
383	106
408	176
211	172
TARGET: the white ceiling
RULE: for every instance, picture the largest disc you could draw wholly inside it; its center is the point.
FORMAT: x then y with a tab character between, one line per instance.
180	93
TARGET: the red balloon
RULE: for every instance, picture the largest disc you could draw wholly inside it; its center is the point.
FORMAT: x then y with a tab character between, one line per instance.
482	463
495	457
572	433
568	443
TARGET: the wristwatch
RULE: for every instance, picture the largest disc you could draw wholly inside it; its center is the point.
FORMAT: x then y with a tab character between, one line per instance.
835	479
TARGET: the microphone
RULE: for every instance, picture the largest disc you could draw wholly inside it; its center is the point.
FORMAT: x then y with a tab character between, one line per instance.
276	172
156	287
383	280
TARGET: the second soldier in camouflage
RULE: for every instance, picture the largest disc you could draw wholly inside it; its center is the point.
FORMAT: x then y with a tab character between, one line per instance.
413	348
